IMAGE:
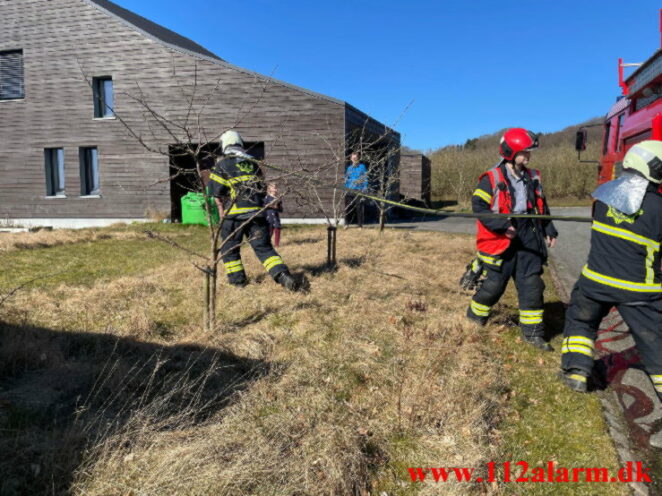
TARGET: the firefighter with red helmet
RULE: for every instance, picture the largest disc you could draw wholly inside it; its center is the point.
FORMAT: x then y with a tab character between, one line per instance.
513	248
623	269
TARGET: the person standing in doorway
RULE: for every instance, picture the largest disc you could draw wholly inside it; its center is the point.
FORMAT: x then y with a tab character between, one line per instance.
356	179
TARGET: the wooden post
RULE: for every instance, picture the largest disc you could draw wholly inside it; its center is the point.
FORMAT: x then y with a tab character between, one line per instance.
331	246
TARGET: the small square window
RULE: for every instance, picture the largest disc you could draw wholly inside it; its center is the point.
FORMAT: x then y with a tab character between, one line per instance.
54	167
102	88
11	75
89	171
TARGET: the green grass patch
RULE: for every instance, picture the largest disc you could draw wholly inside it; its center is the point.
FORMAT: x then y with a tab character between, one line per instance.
87	262
546	421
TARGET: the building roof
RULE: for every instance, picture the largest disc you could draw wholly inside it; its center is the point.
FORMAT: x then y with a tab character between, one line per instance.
153	30
184	45
181	44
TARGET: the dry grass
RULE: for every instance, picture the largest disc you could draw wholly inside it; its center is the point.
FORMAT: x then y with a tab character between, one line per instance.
47	239
455	170
329	393
364	369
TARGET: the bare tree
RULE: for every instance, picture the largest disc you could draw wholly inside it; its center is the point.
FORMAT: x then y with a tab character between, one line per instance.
150	123
189	141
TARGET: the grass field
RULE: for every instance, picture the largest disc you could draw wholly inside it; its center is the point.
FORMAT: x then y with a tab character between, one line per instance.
110	385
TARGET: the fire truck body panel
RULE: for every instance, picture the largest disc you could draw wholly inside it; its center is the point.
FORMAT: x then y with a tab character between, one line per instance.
636	116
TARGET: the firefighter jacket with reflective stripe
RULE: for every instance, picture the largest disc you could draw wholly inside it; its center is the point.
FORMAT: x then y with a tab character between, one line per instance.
624	260
238	182
495	194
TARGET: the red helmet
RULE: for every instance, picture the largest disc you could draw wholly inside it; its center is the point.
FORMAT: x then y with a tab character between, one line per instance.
517	140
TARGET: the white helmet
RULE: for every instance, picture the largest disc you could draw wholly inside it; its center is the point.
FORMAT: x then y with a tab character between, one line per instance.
646	158
231	138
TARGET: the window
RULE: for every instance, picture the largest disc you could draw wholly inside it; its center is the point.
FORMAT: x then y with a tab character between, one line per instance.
619	141
102	87
11	75
89	171
54	166
605	143
255	149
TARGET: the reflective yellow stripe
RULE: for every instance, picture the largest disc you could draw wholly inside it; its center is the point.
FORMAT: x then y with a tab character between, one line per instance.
578	344
531	312
242	179
575	348
271	262
580	340
652	246
650	257
658	388
530	316
490	260
657	379
218	179
577	377
620	283
480	310
236	210
234	266
480	306
624	234
530	320
483	195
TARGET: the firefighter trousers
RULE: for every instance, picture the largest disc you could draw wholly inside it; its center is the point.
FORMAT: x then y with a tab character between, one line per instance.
583	319
256	230
524	266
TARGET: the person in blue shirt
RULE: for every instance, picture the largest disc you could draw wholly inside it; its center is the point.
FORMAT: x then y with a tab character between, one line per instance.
356	178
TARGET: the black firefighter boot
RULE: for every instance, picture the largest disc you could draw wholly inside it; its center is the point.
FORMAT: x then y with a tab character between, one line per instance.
539	342
286	280
576	380
533	334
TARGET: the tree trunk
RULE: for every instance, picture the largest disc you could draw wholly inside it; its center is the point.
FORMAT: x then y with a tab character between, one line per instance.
213	277
331	246
207	298
382	218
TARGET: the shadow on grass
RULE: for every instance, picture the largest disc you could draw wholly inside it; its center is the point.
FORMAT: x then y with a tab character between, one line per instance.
554	319
325	268
65	393
304	241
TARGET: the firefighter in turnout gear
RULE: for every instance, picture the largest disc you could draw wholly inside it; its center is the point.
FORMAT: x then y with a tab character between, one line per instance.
238	186
513	248
623	268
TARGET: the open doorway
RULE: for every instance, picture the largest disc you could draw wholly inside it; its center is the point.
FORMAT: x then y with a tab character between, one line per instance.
183	174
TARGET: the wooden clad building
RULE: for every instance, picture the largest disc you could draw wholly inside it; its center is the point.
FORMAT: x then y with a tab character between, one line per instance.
84	82
415	176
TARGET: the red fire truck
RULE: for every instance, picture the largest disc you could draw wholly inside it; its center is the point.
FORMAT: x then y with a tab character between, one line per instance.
636	115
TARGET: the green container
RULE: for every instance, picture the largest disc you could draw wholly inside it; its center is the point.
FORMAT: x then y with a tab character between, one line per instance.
193	209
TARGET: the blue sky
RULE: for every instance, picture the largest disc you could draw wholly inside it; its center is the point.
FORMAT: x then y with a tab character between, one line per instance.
439	71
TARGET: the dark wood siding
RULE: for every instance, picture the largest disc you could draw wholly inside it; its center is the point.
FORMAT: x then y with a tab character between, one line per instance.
415	176
63	40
